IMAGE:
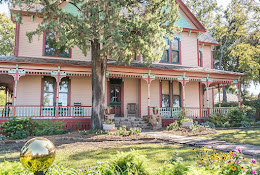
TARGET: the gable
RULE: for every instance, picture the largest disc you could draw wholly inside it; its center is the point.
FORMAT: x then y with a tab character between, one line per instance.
183	22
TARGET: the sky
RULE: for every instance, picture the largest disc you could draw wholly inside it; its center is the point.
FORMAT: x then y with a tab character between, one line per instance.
253	89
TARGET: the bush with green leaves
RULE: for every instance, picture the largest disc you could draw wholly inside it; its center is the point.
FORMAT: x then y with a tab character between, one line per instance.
227	104
122	131
208	124
2	137
245	124
48	127
235	116
17	128
173	125
218	119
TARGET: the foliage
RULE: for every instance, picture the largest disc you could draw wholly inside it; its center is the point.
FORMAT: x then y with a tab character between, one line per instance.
156	108
7	35
229	163
227	104
122	131
218	119
245	124
173	125
2	137
48	127
2	97
17	128
180	118
208	124
235	116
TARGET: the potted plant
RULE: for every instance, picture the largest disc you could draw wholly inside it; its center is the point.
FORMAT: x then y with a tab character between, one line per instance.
108	110
108	125
155	110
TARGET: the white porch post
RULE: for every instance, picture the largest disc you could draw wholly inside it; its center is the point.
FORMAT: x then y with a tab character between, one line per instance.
16	73
5	95
149	78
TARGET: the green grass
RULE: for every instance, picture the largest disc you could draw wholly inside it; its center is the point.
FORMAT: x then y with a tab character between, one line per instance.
83	155
241	136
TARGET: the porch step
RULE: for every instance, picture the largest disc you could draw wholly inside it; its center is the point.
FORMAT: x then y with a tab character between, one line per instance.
132	122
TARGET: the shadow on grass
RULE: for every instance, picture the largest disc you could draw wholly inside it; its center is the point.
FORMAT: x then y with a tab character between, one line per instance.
242	136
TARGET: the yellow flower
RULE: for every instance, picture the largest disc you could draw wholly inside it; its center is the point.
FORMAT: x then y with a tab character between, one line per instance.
214	150
233	168
242	168
193	149
203	147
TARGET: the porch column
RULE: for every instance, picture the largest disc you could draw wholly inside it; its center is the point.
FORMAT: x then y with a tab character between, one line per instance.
5	95
139	97
149	78
16	73
58	75
219	102
183	80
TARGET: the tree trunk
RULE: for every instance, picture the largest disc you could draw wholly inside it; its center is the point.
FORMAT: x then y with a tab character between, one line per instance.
99	66
224	94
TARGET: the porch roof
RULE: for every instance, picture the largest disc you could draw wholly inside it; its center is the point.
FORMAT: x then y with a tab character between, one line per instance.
41	61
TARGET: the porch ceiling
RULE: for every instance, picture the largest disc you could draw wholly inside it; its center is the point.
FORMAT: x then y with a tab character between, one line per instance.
7	80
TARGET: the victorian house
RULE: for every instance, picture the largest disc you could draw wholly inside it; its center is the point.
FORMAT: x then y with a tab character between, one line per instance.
45	84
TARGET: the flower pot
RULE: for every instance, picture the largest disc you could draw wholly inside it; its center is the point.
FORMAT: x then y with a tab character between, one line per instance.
108	111
108	127
187	124
155	111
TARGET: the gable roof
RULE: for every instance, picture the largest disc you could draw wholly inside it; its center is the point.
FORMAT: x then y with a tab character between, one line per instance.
207	38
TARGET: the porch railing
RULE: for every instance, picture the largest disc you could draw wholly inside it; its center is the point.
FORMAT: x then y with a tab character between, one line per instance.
191	112
45	111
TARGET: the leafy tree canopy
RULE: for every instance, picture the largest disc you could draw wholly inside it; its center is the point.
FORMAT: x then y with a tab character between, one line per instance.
6	35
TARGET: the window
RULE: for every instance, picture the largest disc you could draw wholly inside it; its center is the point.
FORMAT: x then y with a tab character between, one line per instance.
175	96
174	55
49	51
48	91
64	91
165	94
165	57
200	58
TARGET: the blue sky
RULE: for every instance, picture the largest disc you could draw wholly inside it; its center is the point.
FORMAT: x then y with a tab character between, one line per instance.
253	89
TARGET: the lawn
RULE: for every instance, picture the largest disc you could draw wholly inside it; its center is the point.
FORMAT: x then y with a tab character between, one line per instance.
242	136
81	155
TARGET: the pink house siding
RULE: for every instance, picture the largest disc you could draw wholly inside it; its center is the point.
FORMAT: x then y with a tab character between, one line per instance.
35	48
29	90
144	94
192	94
155	93
189	49
206	56
130	92
81	91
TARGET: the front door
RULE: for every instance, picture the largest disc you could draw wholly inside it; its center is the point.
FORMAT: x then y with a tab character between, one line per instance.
115	94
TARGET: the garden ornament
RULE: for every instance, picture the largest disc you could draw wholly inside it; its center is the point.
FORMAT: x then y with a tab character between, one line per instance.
37	155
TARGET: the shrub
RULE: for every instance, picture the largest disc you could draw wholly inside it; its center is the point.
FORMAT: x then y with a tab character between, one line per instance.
218	119
122	131
48	127
173	125
235	116
245	124
208	124
2	137
227	104
130	163
17	128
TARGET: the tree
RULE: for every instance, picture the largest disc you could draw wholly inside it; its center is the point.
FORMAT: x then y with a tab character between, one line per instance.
204	10
6	35
116	29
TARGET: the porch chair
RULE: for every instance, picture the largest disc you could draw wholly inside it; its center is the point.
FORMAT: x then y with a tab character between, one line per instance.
131	110
78	110
63	111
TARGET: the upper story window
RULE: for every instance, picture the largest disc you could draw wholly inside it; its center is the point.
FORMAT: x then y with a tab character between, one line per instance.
49	51
172	54
200	58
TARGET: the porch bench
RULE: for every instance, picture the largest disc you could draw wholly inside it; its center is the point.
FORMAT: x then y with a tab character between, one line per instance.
77	109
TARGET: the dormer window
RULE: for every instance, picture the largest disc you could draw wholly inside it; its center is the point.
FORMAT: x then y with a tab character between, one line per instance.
49	51
172	54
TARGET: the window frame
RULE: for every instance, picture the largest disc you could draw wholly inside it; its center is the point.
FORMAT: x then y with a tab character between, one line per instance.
171	94
170	50
68	81
57	54
54	91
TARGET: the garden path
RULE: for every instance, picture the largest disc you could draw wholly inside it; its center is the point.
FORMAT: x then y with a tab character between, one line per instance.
247	149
